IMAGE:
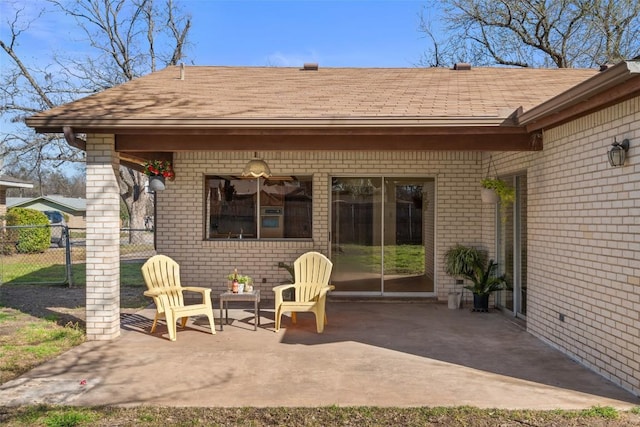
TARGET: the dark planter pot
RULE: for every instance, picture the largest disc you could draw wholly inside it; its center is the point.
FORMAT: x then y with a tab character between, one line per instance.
481	303
156	183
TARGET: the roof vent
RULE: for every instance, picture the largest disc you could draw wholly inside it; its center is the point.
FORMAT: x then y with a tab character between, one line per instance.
310	66
462	66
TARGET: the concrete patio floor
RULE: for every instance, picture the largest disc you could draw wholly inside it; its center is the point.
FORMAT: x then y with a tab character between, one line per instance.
371	353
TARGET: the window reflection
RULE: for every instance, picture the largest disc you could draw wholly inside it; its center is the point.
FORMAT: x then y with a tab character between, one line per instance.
282	210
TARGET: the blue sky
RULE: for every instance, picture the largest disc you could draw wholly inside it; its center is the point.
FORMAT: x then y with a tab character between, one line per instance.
334	33
354	33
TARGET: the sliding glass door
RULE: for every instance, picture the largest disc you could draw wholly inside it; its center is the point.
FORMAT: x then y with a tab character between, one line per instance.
382	232
512	247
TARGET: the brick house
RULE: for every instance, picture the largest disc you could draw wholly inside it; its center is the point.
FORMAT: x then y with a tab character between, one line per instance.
376	166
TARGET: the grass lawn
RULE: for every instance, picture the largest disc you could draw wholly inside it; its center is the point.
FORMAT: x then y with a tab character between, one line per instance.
322	416
27	341
21	270
398	259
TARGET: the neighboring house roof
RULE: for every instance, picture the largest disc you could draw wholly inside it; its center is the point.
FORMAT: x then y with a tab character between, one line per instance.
231	96
70	203
11	182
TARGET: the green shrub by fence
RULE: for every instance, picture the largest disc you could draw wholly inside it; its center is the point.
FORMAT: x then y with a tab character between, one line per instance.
26	240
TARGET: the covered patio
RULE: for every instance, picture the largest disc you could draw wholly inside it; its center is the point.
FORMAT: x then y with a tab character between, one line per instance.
443	358
569	242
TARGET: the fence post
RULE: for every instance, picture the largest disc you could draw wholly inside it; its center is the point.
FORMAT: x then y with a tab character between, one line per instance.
67	254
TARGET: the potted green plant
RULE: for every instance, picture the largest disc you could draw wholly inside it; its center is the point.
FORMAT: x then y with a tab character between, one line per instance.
494	190
247	281
239	279
457	262
471	264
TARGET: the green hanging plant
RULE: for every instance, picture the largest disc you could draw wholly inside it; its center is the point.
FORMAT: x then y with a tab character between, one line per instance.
505	192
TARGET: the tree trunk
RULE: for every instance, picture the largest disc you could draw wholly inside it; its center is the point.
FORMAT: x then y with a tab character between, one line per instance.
137	201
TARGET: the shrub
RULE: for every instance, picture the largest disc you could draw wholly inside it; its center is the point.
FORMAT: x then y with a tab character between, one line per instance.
28	240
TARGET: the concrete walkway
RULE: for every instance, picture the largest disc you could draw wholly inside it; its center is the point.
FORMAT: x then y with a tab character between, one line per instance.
371	353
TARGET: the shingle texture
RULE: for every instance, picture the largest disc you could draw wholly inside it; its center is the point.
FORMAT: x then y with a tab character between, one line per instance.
341	93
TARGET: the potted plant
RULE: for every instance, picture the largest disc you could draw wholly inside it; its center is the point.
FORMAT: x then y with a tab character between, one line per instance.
494	190
471	264
247	283
457	262
236	279
158	171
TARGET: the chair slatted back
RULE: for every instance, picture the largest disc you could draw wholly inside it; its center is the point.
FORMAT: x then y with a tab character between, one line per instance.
160	271
312	271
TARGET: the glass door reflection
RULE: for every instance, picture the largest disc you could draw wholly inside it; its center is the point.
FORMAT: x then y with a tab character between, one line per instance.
356	234
382	235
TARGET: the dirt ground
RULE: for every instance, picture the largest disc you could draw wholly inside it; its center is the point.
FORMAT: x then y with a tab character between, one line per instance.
63	304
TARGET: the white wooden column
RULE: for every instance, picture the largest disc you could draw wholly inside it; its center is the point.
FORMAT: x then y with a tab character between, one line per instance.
103	239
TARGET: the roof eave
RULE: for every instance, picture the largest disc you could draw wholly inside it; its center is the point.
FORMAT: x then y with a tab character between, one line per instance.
614	76
113	125
14	183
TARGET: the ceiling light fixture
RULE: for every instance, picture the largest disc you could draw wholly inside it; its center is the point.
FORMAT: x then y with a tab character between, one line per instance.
256	168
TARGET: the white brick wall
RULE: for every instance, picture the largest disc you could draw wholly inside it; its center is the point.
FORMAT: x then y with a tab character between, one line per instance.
180	211
584	241
103	239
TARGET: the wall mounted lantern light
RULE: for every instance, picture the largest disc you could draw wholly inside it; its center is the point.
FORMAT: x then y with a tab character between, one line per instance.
618	152
256	168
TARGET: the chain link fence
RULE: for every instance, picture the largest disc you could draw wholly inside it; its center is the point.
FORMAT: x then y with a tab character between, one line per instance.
64	261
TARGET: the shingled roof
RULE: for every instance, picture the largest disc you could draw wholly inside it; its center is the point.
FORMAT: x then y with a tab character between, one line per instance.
231	96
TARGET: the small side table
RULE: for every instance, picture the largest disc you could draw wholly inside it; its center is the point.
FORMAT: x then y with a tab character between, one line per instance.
245	296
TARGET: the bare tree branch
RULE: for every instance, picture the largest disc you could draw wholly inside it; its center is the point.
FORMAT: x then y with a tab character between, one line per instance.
564	33
126	39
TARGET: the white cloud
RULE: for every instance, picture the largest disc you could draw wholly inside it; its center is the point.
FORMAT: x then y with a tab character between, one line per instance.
280	59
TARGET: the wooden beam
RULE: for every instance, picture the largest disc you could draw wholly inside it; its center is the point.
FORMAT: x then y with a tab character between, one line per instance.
513	141
135	161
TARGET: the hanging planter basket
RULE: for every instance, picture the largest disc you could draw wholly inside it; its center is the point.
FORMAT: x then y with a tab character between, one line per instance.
489	196
156	183
494	190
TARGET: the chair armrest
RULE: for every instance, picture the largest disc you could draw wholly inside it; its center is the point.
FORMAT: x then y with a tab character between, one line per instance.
161	291
325	289
205	292
198	289
281	288
278	293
